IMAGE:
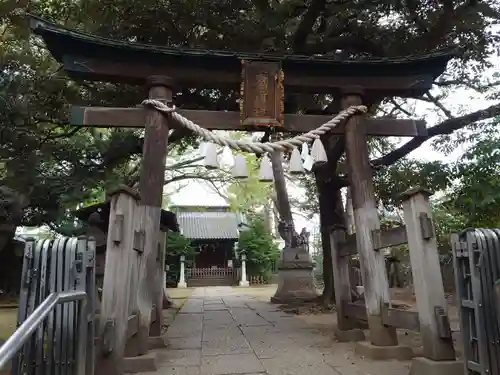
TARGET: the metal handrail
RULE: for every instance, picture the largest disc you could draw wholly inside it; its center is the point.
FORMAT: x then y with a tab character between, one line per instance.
19	338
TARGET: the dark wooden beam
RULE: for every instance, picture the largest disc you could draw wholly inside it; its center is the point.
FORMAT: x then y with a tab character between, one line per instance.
405	319
381	239
220	120
391	317
296	80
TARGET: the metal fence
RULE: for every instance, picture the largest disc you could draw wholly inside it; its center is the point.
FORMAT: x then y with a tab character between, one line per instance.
476	257
56	310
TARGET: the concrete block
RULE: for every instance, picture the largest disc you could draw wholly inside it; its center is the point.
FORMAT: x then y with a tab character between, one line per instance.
143	363
350	335
426	366
157	342
368	350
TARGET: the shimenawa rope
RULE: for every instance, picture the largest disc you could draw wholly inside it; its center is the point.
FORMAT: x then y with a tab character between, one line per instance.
256	147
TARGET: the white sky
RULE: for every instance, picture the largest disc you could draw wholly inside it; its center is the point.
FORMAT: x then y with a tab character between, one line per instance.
197	192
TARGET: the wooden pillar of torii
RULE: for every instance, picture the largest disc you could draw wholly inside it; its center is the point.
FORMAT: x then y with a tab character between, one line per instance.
152	179
366	220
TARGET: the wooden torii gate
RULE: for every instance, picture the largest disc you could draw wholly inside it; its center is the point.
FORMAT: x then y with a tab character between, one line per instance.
265	77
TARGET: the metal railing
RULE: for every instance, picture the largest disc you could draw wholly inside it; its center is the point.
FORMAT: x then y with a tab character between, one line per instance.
56	311
476	260
35	321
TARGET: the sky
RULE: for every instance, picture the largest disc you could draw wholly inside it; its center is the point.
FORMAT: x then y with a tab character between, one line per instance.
197	192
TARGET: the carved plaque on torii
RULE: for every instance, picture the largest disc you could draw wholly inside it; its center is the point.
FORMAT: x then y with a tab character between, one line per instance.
262	94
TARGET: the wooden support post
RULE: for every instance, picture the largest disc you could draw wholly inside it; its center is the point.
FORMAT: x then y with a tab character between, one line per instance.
426	271
132	346
151	191
351	229
159	286
116	286
341	280
376	287
349	213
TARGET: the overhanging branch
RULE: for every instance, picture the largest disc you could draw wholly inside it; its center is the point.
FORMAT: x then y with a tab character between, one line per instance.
446	127
306	24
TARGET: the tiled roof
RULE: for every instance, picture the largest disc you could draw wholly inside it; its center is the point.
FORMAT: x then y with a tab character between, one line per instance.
208	225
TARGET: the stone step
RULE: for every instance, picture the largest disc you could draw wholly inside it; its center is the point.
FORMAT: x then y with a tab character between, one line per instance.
210	281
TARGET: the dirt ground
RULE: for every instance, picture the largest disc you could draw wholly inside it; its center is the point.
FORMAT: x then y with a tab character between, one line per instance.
8	321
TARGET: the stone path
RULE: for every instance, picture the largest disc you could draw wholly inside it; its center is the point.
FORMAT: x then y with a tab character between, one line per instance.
220	331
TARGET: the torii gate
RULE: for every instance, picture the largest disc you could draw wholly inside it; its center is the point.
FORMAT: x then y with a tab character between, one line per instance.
263	80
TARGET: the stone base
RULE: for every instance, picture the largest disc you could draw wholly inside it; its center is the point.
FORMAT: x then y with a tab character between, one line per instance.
350	335
295	283
399	352
182	285
143	363
157	342
244	283
426	366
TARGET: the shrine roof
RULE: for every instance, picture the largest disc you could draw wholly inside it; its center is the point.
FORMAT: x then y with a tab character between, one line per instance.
209	225
75	49
168	220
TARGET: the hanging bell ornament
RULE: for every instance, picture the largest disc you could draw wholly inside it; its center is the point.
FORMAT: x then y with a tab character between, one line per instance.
305	151
266	170
318	152
211	158
296	163
240	169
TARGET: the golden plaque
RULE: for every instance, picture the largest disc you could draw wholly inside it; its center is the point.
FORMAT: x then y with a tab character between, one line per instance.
262	94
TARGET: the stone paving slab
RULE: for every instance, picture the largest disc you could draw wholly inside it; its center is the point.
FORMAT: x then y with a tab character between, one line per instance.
215	307
181	357
192	306
186	326
231	364
221	331
184	343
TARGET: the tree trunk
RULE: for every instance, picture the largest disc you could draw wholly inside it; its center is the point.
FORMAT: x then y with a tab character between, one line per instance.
287	231
329	203
331	210
328	296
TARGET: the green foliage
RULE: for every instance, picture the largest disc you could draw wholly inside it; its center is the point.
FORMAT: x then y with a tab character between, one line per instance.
177	245
258	244
477	193
250	195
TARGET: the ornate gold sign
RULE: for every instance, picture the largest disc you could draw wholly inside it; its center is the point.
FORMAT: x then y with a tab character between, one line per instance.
262	94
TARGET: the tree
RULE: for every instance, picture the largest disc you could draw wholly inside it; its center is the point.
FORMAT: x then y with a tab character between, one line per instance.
258	244
56	167
249	196
176	245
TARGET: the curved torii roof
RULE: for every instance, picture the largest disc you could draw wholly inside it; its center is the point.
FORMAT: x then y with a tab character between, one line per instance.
92	57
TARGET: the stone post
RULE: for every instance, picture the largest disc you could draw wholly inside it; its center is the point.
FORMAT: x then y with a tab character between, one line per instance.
182	277
244	281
